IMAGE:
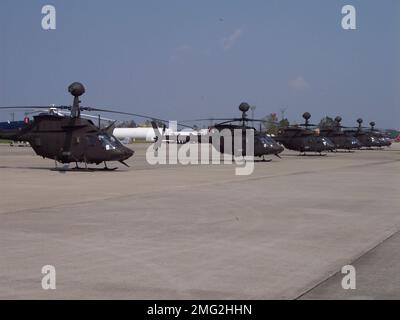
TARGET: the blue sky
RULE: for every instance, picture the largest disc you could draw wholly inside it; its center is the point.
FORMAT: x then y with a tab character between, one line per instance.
180	59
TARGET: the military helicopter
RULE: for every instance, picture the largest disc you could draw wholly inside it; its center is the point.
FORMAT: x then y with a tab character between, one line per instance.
71	138
304	139
339	138
263	144
369	137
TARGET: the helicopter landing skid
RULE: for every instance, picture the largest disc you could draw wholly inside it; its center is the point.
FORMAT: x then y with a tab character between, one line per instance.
312	155
83	169
343	151
108	169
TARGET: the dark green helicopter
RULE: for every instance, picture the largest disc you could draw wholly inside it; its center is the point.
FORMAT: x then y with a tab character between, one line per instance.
338	137
70	138
369	137
263	144
303	139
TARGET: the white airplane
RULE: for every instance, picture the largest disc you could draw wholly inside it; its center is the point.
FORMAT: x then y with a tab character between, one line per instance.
148	134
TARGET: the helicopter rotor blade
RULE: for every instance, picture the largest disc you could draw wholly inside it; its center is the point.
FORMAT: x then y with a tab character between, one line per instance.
110	128
35	107
261	120
121	112
307	125
356	128
61	109
88	116
208	119
155	127
229	121
225	119
90	109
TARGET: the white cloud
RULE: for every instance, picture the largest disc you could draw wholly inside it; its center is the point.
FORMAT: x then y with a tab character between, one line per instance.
298	83
229	42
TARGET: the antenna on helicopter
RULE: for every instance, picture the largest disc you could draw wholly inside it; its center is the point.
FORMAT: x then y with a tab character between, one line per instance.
76	89
306	116
360	121
372	124
244	107
338	121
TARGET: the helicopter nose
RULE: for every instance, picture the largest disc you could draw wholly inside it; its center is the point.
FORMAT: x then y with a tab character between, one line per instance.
328	144
128	153
279	149
123	153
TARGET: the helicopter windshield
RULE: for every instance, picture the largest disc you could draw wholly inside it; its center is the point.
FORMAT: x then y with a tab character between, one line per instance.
108	142
267	140
326	142
354	141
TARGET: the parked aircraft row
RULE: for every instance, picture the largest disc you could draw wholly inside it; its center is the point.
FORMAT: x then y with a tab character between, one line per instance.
65	134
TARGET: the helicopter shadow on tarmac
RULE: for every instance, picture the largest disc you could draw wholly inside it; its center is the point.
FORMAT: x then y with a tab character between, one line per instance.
342	151
29	168
377	149
65	169
262	160
312	155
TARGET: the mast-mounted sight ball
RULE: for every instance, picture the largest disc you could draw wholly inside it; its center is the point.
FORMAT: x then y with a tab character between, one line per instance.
338	119
76	89
307	115
244	107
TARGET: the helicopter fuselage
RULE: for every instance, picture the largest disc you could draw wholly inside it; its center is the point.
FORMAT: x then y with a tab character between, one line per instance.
340	139
67	139
369	139
302	140
263	144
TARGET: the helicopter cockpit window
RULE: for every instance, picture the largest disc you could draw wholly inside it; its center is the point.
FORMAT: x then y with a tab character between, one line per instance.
354	141
267	140
108	142
115	141
324	141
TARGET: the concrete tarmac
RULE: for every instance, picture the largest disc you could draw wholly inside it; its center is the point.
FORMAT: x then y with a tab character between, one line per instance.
377	276
200	231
